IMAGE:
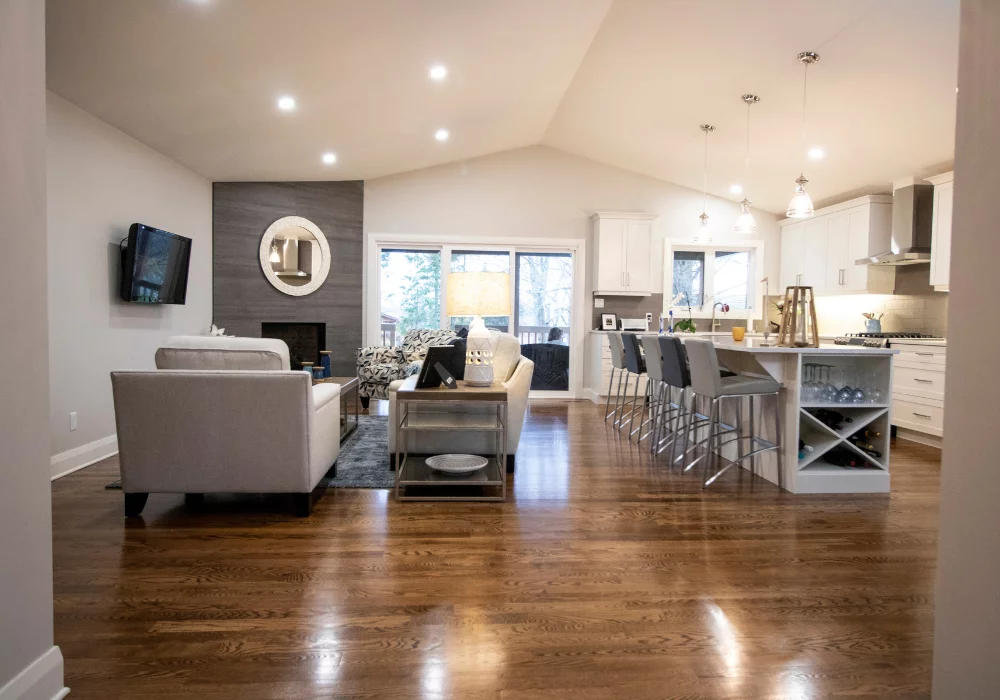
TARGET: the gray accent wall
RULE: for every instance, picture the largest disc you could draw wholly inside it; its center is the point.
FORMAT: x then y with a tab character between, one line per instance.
241	212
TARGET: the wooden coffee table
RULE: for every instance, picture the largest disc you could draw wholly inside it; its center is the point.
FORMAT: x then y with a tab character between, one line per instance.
348	386
414	472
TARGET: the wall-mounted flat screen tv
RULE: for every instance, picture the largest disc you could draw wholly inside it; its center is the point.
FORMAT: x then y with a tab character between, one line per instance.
155	266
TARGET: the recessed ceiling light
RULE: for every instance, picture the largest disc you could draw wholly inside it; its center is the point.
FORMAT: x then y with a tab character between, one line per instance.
441	134
438	72
329	158
816	153
286	103
736	189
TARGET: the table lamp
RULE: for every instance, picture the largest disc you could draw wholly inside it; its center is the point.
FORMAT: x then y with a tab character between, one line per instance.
478	294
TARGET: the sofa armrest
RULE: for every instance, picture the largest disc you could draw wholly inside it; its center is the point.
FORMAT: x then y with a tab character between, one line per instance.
324	393
518	387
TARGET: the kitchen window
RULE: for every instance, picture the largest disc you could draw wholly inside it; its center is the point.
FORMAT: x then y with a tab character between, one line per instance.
699	276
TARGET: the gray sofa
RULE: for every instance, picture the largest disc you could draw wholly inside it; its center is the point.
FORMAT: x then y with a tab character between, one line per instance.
224	415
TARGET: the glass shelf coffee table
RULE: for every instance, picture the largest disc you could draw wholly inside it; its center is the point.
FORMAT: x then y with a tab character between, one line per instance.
413	475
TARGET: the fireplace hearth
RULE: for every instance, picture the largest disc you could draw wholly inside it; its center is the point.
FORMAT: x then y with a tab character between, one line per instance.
304	340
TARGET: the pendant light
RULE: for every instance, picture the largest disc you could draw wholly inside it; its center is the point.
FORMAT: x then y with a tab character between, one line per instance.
275	257
702	234
744	222
801	205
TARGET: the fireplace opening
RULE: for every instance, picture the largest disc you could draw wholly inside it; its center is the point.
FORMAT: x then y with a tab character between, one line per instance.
304	340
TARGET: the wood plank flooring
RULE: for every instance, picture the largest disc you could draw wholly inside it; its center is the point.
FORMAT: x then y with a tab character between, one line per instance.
605	576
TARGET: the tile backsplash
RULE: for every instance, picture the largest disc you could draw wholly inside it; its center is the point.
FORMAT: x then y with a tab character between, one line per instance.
902	313
628	307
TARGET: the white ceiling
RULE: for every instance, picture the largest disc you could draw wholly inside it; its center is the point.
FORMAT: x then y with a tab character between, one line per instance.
624	82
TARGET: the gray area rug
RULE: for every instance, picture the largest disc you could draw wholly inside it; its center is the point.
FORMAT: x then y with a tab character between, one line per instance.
364	458
363	461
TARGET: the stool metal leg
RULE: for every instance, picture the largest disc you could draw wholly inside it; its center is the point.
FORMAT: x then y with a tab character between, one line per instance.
778	441
619	400
713	418
753	434
607	404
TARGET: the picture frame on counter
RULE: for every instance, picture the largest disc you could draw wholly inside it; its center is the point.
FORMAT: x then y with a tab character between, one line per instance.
609	322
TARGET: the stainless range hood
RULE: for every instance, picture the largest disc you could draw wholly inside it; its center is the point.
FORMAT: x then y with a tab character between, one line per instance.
910	240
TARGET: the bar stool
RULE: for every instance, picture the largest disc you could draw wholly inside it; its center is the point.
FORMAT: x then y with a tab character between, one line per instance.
617	363
662	407
636	365
676	374
707	382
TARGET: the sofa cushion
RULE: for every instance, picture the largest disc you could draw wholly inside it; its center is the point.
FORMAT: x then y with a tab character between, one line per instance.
506	353
379	372
205	352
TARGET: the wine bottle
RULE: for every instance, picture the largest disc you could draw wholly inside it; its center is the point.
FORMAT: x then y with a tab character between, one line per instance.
872	434
862	445
842	458
803	448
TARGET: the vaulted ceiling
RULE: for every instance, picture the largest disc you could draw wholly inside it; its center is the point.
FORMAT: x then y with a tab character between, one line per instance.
625	82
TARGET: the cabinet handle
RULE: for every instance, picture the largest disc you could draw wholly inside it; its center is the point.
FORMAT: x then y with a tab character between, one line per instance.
921	415
843	277
925	354
923	381
628	279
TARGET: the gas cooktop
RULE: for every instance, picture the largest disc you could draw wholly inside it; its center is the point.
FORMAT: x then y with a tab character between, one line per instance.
880	340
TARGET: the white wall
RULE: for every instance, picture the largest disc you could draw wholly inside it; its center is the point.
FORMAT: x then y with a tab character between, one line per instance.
967	603
30	666
100	181
540	191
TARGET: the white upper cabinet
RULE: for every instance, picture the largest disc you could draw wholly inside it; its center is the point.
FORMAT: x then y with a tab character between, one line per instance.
792	238
819	252
623	252
941	230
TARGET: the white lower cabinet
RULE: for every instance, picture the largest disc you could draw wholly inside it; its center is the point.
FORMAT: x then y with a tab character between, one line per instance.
918	388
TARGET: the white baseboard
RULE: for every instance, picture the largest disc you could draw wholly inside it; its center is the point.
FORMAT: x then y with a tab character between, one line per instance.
922	438
41	680
83	456
592	396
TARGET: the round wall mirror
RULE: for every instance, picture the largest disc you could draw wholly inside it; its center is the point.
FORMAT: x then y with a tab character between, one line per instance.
295	256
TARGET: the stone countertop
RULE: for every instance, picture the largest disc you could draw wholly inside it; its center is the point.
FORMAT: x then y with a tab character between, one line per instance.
755	345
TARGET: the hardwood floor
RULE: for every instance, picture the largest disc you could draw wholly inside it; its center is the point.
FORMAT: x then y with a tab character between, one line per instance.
605	576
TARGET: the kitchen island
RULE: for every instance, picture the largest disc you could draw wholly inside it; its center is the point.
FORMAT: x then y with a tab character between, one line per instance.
801	416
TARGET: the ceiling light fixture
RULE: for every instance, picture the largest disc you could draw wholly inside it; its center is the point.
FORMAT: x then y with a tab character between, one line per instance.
438	72
329	158
816	153
736	189
745	222
275	256
708	129
441	134
801	206
286	103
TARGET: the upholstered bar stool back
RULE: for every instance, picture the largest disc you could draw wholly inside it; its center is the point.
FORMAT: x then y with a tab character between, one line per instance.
674	362
704	367
634	362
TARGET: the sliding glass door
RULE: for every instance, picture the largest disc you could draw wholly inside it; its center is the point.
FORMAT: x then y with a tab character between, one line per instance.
544	309
480	261
412	282
409	292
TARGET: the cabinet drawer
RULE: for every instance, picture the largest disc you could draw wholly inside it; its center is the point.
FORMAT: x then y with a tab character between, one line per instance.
918	416
916	355
926	382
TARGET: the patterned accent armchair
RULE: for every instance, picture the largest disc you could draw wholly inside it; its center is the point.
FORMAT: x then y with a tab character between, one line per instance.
378	366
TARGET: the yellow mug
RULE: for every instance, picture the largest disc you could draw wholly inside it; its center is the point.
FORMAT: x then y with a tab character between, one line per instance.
738	333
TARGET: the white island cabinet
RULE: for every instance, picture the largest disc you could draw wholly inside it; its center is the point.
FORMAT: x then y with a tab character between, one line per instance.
813	473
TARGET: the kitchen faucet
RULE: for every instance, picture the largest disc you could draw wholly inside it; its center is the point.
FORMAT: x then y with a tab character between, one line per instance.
725	309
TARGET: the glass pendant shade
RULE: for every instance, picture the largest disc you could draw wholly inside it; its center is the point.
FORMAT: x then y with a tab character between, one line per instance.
275	257
745	222
801	206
